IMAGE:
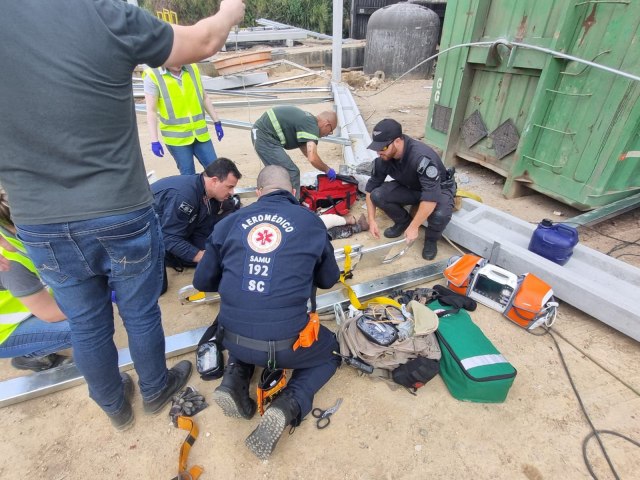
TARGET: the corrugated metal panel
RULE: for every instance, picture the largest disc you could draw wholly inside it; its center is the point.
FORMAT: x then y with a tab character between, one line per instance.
571	123
592	109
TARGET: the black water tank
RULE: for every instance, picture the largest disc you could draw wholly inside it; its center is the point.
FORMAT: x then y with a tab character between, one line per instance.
399	37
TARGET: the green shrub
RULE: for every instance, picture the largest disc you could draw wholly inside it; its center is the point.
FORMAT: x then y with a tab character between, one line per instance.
313	15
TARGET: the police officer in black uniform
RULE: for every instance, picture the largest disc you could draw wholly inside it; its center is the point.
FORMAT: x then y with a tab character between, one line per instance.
419	179
266	261
188	207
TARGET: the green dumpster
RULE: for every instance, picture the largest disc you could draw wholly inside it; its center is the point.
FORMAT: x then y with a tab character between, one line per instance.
568	130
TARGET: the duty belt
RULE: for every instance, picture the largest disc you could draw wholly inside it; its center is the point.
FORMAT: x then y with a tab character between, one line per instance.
260	345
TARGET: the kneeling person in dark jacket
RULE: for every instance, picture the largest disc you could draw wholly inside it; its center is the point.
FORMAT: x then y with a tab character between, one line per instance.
265	261
419	179
188	207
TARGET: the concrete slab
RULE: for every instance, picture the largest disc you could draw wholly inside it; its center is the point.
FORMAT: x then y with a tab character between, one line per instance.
593	282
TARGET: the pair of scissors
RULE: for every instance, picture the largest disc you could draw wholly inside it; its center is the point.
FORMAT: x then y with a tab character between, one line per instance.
323	416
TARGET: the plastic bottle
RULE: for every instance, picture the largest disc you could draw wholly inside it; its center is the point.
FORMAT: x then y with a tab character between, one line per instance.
554	242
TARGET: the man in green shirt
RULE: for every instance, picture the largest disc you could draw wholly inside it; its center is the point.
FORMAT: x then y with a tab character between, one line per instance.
285	128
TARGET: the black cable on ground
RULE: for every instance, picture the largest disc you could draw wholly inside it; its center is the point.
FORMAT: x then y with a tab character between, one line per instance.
594	432
600	432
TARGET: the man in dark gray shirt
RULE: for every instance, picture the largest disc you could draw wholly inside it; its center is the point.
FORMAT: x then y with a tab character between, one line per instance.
76	180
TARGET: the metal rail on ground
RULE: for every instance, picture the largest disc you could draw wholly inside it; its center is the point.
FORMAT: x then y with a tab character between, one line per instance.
606	212
38	384
353	129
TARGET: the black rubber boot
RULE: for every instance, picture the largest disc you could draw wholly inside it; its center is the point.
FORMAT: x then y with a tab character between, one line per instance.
123	419
430	249
177	378
232	395
283	411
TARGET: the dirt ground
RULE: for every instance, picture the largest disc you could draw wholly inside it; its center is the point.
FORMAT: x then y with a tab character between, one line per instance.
378	432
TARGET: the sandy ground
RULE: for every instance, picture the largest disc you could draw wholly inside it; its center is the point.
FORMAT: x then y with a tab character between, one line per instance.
379	432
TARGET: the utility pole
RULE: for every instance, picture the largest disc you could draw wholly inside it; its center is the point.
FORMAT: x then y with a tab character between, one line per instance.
336	54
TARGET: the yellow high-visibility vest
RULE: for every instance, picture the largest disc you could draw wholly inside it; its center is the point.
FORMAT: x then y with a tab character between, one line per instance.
180	108
12	311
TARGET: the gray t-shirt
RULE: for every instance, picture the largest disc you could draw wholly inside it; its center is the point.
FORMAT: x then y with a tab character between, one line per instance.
70	148
20	281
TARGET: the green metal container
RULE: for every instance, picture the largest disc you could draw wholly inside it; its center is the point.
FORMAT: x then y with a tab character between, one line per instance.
566	129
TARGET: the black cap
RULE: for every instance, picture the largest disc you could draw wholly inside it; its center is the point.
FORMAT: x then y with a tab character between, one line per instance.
385	132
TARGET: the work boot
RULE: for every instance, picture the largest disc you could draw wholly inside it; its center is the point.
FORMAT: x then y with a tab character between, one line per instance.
232	395
397	229
283	411
430	249
177	378
123	419
38	364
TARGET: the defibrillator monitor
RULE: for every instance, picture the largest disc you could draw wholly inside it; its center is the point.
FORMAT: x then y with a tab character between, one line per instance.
493	286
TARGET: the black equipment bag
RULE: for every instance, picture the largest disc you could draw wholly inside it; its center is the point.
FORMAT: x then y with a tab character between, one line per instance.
415	373
209	359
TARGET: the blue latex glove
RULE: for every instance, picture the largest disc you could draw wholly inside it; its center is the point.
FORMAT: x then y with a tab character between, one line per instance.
331	174
156	148
219	130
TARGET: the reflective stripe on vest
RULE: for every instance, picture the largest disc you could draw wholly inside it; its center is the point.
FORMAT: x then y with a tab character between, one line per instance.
276	126
12	310
180	107
482	360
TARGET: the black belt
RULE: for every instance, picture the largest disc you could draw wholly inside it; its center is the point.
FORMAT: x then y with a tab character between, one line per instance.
260	345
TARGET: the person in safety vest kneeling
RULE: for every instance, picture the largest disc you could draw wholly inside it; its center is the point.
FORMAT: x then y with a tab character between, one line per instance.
266	261
32	326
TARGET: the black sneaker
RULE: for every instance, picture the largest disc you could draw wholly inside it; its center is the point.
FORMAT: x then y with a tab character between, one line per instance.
282	412
430	249
232	396
396	230
38	364
123	420
177	378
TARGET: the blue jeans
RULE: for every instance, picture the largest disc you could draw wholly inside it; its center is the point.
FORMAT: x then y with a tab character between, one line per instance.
83	262
203	151
36	338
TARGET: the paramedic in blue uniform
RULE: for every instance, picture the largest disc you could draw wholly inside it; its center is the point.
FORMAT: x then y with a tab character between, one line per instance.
265	261
188	206
420	180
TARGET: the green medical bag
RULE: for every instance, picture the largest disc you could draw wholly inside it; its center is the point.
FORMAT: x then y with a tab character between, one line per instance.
471	366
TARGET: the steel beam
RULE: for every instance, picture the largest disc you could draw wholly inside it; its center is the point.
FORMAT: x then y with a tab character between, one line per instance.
263	35
360	257
42	383
353	129
267	102
141	108
606	212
